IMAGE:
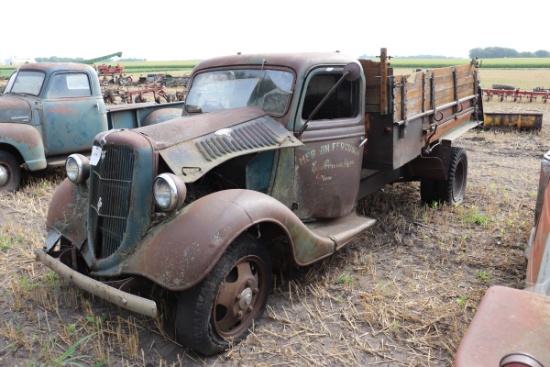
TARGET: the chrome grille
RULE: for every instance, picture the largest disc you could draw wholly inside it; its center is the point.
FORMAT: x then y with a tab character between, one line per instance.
110	192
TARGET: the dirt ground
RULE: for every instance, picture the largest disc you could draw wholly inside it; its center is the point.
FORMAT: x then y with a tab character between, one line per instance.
402	294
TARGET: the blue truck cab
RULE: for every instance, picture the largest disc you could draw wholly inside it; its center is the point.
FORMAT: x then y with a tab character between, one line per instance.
50	110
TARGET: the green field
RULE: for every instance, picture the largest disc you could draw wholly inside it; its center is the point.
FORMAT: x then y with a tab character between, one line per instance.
516	63
178	68
135	68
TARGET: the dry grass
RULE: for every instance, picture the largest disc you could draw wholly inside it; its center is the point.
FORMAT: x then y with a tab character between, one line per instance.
401	295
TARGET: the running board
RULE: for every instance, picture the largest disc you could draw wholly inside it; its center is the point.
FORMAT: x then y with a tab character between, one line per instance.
341	230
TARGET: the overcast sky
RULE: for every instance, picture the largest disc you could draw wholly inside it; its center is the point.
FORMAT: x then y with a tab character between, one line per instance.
185	30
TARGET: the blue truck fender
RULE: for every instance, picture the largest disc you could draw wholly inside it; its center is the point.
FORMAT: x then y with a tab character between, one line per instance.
27	141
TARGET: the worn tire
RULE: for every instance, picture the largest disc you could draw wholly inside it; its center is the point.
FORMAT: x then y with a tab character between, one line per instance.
10	173
452	189
207	318
503	87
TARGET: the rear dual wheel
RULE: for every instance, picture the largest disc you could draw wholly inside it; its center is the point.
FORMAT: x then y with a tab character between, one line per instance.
222	309
452	189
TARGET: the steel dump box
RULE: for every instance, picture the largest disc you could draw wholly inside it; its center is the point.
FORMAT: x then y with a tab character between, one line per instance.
408	114
523	121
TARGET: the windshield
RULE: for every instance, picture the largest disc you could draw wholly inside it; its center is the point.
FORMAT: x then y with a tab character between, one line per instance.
216	90
26	82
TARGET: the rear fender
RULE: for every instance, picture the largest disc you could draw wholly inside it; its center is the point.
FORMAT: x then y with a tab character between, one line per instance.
27	141
434	165
180	253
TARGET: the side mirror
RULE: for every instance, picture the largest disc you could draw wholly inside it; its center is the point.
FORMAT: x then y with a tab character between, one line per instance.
352	71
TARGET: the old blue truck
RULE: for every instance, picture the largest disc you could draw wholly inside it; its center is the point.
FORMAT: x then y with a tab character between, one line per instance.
50	110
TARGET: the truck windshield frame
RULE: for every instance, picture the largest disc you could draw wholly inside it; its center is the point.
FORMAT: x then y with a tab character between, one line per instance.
269	89
26	82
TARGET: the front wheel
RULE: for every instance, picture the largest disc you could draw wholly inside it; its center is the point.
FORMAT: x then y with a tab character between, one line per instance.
221	309
10	173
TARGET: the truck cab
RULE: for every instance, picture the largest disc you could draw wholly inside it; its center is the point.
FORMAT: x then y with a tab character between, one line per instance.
323	172
48	110
51	110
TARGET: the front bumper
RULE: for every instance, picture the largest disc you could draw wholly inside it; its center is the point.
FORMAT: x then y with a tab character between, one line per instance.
125	300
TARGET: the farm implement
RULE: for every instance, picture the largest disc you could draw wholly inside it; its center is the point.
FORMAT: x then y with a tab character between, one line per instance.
524	121
517	95
512	121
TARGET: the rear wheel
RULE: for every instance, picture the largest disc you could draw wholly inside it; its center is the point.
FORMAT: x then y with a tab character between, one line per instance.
10	172
452	189
221	309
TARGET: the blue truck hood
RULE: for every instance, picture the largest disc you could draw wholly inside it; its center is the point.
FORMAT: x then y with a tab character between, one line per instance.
14	109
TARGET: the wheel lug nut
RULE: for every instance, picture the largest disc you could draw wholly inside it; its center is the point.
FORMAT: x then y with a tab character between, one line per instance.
248	283
249	309
255	291
238	297
240	315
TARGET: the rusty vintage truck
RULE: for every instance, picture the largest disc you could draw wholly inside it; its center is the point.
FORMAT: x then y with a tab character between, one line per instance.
269	164
51	110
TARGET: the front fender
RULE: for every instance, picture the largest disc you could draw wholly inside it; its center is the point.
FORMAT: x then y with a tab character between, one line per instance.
178	254
28	142
67	214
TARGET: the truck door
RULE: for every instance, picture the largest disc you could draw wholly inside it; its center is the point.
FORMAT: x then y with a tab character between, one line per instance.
328	166
72	116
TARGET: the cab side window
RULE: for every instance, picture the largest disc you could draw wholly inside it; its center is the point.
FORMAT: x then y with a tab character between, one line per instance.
342	103
69	85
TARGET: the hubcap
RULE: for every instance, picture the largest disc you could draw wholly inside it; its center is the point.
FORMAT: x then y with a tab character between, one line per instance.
246	299
4	175
240	297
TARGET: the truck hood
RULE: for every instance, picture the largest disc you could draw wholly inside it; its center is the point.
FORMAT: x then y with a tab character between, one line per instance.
14	109
193	145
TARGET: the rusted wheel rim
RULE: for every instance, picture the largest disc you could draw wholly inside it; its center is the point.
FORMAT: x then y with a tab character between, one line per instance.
240	297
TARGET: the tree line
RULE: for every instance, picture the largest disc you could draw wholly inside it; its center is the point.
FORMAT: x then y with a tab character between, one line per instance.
79	59
502	52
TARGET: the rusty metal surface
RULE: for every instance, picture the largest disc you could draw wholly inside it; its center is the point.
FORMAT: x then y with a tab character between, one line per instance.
328	171
507	321
230	212
193	158
120	200
15	109
538	264
517	121
28	142
144	114
67	213
191	127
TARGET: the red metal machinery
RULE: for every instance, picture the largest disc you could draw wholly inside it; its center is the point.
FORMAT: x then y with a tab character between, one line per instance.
516	94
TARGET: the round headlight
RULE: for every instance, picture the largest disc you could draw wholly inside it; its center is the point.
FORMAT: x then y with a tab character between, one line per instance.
77	167
169	191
